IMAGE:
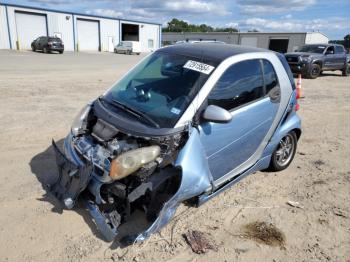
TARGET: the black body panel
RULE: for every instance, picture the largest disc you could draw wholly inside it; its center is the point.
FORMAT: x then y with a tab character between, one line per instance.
72	179
129	125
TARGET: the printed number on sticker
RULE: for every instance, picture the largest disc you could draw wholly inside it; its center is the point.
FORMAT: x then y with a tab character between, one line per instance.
199	67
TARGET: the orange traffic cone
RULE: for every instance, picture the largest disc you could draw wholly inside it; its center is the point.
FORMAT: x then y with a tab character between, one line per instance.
299	87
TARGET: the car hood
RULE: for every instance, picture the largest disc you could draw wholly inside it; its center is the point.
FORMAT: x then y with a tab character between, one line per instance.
303	54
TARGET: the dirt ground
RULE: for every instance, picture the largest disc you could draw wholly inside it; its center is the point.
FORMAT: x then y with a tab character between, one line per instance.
41	94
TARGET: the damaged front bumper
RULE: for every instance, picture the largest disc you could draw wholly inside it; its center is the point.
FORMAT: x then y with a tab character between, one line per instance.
76	175
72	179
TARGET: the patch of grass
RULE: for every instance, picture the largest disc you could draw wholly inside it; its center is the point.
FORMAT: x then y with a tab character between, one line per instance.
265	233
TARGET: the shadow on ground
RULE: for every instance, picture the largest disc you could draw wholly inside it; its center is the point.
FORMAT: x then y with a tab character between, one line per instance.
43	166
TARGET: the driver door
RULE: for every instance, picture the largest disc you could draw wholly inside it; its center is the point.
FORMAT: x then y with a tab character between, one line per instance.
233	147
330	60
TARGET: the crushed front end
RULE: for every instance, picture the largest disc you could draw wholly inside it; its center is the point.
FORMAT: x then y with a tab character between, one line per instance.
116	175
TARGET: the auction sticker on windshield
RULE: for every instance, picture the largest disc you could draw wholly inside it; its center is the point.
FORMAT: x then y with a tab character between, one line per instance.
199	67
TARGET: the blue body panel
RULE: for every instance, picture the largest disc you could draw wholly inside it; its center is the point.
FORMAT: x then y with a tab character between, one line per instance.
243	134
196	178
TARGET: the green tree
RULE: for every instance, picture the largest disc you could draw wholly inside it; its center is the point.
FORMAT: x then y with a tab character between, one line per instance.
177	25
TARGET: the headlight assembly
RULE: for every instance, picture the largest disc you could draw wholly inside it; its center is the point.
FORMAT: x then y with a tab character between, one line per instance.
305	59
131	161
80	121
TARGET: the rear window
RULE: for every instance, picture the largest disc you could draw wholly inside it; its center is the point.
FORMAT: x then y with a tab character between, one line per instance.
287	68
54	39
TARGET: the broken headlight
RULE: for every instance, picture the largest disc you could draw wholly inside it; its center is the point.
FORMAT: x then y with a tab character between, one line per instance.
80	122
131	161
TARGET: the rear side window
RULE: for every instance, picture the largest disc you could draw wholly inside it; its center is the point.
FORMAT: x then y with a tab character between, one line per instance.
240	84
339	49
287	68
270	76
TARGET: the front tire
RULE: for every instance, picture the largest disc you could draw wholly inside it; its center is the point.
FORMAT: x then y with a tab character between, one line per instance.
315	71
33	48
284	153
45	50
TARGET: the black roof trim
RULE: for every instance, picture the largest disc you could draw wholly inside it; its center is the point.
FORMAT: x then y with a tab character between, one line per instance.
210	51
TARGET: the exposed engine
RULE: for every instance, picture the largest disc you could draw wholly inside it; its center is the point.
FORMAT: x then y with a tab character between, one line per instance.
129	173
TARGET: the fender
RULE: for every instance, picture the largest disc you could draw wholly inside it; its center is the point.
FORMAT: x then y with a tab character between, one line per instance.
195	179
293	122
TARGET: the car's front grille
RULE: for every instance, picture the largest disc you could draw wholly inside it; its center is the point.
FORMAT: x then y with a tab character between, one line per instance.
292	59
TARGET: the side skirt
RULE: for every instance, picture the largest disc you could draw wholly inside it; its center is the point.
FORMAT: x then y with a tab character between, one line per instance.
261	164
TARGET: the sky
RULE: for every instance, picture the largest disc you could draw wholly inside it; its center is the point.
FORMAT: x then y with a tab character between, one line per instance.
329	17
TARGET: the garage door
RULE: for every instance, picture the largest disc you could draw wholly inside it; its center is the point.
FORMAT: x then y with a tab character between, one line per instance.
29	27
88	35
249	41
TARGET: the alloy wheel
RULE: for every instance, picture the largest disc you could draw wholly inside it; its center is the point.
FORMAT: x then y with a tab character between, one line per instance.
285	150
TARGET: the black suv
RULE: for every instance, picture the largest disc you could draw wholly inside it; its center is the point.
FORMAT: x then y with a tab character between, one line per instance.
48	44
311	60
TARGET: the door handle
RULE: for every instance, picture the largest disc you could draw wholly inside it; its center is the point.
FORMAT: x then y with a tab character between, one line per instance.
275	95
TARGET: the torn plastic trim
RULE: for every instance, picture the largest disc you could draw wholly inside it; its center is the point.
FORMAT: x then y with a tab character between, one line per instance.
72	178
108	231
195	180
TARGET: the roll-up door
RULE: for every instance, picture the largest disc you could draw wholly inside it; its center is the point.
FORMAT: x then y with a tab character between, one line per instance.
249	41
88	35
29	27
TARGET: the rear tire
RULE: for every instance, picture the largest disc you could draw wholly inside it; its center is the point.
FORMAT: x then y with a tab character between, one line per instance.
284	153
315	71
33	48
45	50
346	70
61	52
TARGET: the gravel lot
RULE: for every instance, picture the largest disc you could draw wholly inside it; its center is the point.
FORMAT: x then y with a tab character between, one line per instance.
41	94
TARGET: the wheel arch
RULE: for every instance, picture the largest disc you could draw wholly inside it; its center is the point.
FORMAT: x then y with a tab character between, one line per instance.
318	62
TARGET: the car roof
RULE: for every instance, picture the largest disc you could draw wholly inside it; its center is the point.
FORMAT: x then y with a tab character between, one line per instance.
323	44
210	51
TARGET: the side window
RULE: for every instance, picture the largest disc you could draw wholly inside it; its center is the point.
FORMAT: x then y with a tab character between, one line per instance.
339	49
330	50
270	76
240	84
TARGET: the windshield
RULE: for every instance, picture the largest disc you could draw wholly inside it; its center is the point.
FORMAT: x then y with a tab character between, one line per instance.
312	49
161	87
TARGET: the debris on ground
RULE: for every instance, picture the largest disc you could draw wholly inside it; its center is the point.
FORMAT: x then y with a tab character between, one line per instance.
265	233
340	213
294	204
318	163
200	242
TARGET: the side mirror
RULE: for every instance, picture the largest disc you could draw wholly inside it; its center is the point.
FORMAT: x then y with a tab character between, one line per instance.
217	114
330	52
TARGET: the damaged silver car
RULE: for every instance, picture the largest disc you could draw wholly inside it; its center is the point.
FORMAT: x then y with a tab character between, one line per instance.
183	125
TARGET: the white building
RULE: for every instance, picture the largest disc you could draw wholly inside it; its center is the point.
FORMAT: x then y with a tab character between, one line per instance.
278	41
20	25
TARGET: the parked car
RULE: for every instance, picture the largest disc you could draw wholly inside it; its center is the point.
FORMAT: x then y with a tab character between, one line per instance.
48	44
312	60
198	41
128	47
185	124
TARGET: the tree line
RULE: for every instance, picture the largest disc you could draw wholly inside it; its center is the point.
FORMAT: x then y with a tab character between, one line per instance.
345	42
176	25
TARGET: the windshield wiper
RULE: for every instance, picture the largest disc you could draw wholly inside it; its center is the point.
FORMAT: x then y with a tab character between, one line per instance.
134	112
